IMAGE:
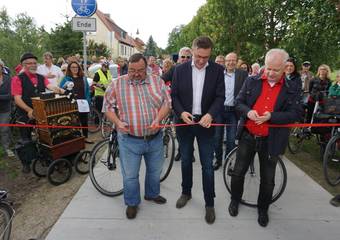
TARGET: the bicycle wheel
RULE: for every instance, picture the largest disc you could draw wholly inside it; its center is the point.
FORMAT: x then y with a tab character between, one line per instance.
331	161
252	179
6	215
40	166
59	171
105	171
169	153
106	127
81	162
295	140
94	120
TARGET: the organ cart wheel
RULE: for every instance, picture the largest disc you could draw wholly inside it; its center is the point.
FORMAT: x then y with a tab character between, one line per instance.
59	171
40	166
81	162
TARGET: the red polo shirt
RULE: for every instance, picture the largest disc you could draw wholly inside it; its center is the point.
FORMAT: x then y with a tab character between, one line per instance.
264	103
17	86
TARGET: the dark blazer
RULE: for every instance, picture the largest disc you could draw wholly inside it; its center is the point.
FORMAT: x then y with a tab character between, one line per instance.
287	110
240	77
213	89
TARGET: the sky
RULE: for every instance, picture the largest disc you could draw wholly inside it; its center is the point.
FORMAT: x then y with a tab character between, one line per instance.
150	17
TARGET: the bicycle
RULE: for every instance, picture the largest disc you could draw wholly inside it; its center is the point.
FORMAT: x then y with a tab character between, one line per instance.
6	216
252	179
331	157
169	149
106	127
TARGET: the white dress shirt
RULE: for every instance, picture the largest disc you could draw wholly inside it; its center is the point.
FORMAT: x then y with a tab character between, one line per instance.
55	70
198	76
229	81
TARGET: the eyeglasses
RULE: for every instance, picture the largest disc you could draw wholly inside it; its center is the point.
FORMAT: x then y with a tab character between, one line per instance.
188	57
74	67
133	71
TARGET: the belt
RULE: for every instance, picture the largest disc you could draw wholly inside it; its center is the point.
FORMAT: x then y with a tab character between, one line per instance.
229	108
256	137
146	138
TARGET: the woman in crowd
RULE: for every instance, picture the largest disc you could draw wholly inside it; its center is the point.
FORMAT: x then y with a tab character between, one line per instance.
81	89
292	74
334	90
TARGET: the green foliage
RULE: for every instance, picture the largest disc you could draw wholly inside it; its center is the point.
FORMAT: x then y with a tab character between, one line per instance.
151	48
308	30
98	49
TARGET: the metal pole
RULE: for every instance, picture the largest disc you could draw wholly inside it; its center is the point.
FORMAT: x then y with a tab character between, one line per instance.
84	53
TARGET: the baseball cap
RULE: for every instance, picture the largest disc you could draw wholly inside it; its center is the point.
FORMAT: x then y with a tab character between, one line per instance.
306	63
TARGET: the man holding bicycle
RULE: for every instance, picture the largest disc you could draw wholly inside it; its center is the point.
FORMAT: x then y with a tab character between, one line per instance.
143	102
264	99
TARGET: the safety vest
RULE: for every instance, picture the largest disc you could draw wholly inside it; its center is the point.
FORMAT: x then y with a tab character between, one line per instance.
102	80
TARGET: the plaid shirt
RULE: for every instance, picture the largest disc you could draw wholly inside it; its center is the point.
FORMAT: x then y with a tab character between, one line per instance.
138	102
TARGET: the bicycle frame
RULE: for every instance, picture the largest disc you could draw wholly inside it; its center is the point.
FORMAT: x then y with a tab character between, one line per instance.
3	200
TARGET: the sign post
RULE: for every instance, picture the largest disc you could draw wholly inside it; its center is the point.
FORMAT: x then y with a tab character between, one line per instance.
84	8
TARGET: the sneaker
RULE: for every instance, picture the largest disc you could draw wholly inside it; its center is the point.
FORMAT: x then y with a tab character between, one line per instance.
10	153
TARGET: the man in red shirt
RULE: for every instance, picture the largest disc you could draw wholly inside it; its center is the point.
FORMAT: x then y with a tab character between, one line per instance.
26	85
264	99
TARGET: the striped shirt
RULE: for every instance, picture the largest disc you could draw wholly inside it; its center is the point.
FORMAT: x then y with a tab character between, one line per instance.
138	102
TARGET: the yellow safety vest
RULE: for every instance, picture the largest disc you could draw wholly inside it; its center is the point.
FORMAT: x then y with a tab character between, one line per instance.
102	80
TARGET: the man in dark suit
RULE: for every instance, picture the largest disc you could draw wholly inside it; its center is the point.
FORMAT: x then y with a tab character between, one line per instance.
264	99
198	96
233	80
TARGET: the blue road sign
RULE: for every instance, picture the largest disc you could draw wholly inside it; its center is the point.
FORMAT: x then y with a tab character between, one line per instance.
84	8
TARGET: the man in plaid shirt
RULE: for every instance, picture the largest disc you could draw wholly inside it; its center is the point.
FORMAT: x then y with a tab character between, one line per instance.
142	102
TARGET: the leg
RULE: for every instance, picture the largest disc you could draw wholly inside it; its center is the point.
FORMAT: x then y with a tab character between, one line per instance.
186	140
206	152
130	152
218	142
154	159
83	118
5	131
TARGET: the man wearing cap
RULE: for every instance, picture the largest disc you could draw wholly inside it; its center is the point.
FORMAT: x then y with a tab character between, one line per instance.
306	75
26	85
102	78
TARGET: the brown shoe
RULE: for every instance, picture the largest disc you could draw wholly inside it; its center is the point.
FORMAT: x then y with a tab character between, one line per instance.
131	212
210	215
182	201
159	199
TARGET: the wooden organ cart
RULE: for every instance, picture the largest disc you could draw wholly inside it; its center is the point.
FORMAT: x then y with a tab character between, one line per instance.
56	145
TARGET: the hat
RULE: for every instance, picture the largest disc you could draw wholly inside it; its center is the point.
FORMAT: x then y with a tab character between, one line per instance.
306	63
27	56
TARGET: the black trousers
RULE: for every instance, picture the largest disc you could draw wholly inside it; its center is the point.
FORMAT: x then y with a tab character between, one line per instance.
248	146
83	118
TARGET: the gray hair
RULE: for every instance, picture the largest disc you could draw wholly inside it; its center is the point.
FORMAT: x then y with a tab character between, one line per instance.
184	49
48	54
255	65
277	52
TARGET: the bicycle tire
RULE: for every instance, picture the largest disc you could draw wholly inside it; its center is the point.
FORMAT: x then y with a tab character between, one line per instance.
6	215
93	115
40	166
295	141
108	182
82	162
59	171
169	153
331	162
249	198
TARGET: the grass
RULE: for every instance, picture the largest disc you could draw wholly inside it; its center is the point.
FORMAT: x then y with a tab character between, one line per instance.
308	160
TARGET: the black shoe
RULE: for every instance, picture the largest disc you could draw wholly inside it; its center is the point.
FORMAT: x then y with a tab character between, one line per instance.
131	212
182	201
335	201
210	215
263	218
178	157
26	168
159	199
217	165
233	208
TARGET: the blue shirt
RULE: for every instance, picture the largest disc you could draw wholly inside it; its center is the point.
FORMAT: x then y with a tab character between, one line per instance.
229	80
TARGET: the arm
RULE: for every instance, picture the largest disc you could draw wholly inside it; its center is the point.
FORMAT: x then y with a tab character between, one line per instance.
176	103
20	103
216	106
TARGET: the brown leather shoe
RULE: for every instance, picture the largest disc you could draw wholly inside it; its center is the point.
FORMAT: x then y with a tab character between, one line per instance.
182	201
159	199
210	215
131	212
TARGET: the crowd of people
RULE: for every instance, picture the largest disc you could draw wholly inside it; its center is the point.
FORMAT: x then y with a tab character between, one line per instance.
138	93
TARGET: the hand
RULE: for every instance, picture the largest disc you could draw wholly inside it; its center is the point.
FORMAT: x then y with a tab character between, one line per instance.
30	114
264	118
206	121
154	125
122	127
50	75
187	117
253	115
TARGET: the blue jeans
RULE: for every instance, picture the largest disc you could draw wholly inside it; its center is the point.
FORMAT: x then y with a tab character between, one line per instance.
205	140
131	151
5	132
227	117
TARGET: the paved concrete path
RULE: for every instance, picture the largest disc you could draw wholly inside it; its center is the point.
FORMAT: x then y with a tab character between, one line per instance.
303	212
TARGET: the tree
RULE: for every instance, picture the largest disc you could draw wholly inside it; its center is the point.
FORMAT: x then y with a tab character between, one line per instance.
98	49
151	48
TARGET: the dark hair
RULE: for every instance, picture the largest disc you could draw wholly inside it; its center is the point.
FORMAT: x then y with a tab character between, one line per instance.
137	57
292	60
80	70
202	42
